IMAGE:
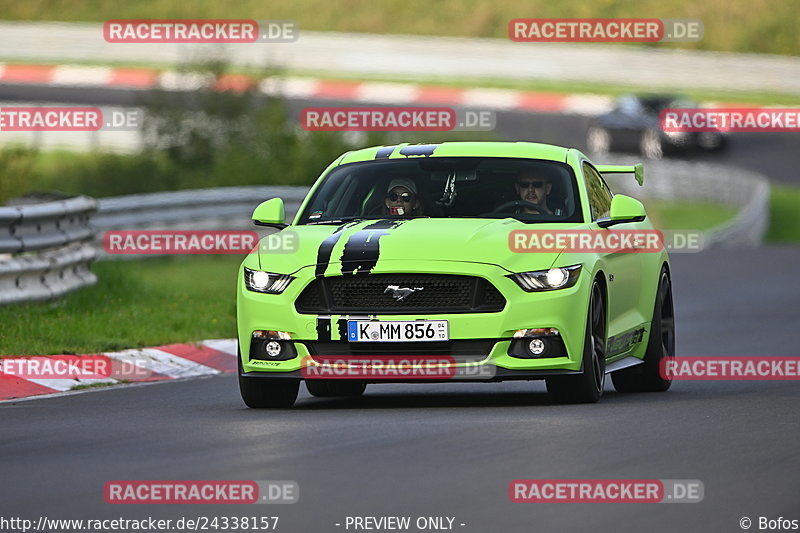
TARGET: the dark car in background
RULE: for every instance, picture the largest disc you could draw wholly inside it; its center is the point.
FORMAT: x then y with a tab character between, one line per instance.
633	126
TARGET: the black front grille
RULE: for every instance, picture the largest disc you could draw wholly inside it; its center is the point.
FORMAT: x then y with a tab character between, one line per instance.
370	294
461	350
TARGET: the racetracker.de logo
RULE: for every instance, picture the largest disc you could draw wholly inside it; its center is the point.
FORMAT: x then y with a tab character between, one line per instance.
731	368
395	119
619	30
577	241
409	367
606	491
75	367
69	119
189	242
200	31
744	119
200	492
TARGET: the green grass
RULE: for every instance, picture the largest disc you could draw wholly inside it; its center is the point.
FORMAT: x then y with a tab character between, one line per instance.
784	223
768	26
689	215
134	304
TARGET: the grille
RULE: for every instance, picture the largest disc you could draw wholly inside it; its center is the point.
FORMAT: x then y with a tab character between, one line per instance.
368	294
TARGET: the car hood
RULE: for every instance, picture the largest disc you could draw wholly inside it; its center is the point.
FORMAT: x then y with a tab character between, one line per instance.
359	247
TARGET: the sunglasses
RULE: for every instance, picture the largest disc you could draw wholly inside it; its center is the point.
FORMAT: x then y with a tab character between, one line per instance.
404	197
529	184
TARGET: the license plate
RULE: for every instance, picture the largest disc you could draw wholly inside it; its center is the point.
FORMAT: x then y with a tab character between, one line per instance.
397	331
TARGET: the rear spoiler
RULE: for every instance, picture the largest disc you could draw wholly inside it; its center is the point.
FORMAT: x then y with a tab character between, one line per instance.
637	170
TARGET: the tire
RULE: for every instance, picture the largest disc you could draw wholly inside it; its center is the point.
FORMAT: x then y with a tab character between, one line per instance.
710	141
598	141
259	393
586	387
647	377
330	388
651	145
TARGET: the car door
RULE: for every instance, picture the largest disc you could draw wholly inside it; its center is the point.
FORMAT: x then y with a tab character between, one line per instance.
624	269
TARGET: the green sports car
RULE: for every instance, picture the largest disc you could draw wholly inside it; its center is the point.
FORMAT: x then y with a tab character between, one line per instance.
459	261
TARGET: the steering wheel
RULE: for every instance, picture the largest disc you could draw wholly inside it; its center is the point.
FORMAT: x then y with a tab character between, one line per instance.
519	203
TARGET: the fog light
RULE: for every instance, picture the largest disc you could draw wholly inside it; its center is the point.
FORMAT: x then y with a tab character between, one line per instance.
273	348
536	346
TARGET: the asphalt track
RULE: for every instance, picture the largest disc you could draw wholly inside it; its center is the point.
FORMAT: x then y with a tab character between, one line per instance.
451	450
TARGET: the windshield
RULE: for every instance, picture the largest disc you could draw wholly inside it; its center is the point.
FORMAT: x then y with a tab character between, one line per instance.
528	190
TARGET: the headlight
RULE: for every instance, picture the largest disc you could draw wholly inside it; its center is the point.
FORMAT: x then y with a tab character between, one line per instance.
266	282
547	280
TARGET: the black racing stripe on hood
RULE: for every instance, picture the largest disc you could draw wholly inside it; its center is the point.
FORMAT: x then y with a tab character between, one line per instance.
362	249
326	249
323	329
385	152
418	149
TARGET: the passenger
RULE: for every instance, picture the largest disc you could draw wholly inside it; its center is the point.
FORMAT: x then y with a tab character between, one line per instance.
402	198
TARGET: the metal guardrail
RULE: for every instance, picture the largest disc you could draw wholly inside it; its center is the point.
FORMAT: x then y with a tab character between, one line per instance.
224	208
221	208
46	249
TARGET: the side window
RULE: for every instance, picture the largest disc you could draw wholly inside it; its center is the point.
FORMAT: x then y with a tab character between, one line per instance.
599	195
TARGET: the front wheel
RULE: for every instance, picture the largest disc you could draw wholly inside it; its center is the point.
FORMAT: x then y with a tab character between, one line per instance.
586	387
598	140
267	392
650	376
651	145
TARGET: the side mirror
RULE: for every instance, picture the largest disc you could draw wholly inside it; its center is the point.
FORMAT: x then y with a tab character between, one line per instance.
624	209
270	213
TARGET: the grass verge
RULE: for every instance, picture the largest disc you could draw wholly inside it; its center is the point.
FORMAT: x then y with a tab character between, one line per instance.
690	215
784	222
134	304
768	26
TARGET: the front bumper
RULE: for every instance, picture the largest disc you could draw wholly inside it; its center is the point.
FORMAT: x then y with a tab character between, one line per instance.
563	309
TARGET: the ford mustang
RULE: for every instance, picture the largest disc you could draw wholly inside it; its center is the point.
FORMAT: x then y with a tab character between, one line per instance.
459	261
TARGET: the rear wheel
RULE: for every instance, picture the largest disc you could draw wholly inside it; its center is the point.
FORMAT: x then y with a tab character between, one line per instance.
267	392
649	376
586	387
328	388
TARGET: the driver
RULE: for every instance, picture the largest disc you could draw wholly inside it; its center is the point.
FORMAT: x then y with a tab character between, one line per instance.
532	188
402	198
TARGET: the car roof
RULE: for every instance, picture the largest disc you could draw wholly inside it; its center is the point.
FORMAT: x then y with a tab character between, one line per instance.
525	150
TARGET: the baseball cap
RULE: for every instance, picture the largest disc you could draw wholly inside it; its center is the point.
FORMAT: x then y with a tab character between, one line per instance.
408	183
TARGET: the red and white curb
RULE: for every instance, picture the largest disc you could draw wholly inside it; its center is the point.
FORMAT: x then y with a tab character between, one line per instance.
307	88
161	363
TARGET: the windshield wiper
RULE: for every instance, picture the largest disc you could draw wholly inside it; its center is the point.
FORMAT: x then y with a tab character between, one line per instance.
337	221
